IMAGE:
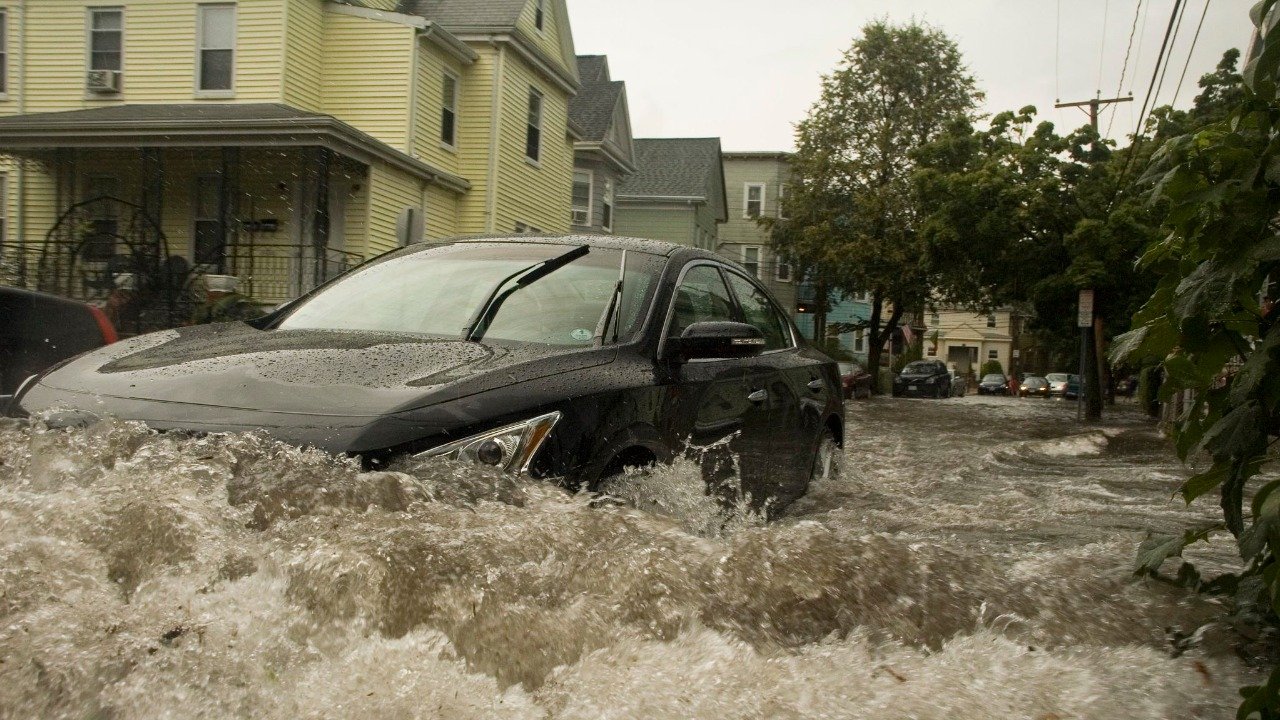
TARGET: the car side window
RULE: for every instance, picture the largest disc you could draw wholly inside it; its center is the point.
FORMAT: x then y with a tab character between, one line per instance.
701	297
759	311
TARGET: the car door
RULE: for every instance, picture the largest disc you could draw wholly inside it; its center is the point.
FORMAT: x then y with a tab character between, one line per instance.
706	404
782	431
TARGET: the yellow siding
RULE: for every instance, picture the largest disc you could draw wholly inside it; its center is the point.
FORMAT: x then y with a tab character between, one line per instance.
539	195
442	213
390	192
432	64
474	125
304	57
10	105
160	54
367	70
548	39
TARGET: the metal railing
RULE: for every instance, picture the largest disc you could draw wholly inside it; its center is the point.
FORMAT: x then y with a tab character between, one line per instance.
273	273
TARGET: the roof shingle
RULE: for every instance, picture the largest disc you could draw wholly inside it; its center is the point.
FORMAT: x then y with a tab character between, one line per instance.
592	109
466	13
674	167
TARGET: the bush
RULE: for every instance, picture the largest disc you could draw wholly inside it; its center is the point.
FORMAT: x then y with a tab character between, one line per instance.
991	367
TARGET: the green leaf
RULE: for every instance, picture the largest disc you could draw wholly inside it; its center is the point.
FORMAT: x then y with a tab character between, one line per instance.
1238	435
1261	363
1153	551
1200	484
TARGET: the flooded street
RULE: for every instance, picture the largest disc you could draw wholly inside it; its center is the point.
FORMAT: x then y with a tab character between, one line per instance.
974	561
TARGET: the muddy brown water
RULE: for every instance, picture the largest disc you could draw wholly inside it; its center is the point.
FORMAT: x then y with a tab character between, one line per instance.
973	562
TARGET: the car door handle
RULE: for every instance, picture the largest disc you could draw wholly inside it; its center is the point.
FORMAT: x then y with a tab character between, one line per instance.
816	385
758	396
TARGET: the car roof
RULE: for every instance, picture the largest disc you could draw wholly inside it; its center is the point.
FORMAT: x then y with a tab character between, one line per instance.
607	242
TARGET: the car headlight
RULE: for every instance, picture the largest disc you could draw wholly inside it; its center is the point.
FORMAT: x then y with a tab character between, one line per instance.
511	448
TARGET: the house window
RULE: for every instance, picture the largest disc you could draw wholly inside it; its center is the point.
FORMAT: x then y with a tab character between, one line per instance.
933	351
782	273
606	211
524	229
753	200
991	321
217	47
4	51
582	197
934	319
106	40
859	340
751	259
206	222
533	134
540	14
449	111
782	199
993	354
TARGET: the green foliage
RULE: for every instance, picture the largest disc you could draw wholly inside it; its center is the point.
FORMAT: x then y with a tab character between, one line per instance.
991	367
851	214
914	352
1211	319
831	346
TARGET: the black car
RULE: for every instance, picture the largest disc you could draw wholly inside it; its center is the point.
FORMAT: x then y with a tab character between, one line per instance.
923	378
993	384
564	357
38	331
1034	385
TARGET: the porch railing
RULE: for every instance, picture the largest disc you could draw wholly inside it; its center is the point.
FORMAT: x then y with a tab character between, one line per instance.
274	273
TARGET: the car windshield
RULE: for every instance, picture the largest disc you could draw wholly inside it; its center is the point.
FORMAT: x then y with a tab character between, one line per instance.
920	368
992	378
1034	381
437	292
1056	377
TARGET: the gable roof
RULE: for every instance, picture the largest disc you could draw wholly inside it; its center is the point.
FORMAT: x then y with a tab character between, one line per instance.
467	13
678	168
593	107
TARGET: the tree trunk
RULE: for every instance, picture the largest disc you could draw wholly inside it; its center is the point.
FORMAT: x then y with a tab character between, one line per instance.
877	335
820	314
1104	368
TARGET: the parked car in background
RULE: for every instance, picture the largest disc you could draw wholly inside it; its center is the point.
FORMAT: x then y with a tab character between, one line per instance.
1073	388
993	384
1057	384
855	380
38	331
1034	385
563	358
959	384
923	378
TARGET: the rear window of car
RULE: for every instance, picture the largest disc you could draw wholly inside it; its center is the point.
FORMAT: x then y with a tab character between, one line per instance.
1056	377
848	368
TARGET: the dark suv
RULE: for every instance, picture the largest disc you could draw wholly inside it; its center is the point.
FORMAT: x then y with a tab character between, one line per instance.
923	378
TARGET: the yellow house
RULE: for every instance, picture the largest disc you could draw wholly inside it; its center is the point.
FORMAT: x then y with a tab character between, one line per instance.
280	141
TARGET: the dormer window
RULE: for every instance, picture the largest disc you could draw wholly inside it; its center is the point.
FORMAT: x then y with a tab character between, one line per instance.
539	13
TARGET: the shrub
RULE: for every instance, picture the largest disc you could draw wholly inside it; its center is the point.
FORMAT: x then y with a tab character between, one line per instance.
991	367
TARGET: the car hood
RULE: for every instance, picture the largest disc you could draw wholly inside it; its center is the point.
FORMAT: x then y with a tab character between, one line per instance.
306	372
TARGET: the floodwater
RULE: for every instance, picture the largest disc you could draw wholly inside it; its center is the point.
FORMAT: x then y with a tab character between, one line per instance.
973	562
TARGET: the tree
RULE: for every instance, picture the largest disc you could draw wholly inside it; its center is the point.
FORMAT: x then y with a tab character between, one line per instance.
1212	322
852	219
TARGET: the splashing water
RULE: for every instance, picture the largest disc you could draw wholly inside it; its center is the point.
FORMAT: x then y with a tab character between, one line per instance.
972	562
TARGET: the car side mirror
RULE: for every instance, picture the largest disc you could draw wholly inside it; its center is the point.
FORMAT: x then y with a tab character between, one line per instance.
716	340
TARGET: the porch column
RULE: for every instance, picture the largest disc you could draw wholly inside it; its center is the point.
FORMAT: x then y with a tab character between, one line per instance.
228	207
153	186
320	222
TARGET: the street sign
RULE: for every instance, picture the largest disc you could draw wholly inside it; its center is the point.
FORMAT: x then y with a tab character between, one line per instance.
1084	316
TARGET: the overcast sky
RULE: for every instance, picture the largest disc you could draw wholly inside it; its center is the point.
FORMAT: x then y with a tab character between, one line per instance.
747	70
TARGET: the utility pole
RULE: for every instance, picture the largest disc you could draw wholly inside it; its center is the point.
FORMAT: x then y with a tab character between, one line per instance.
1092	374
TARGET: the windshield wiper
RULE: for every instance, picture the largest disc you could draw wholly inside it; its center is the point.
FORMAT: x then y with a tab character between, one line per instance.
479	322
615	304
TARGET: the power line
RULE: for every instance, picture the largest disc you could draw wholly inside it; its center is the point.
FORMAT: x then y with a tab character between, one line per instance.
1155	74
1102	45
1137	132
1124	68
1172	41
1190	51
